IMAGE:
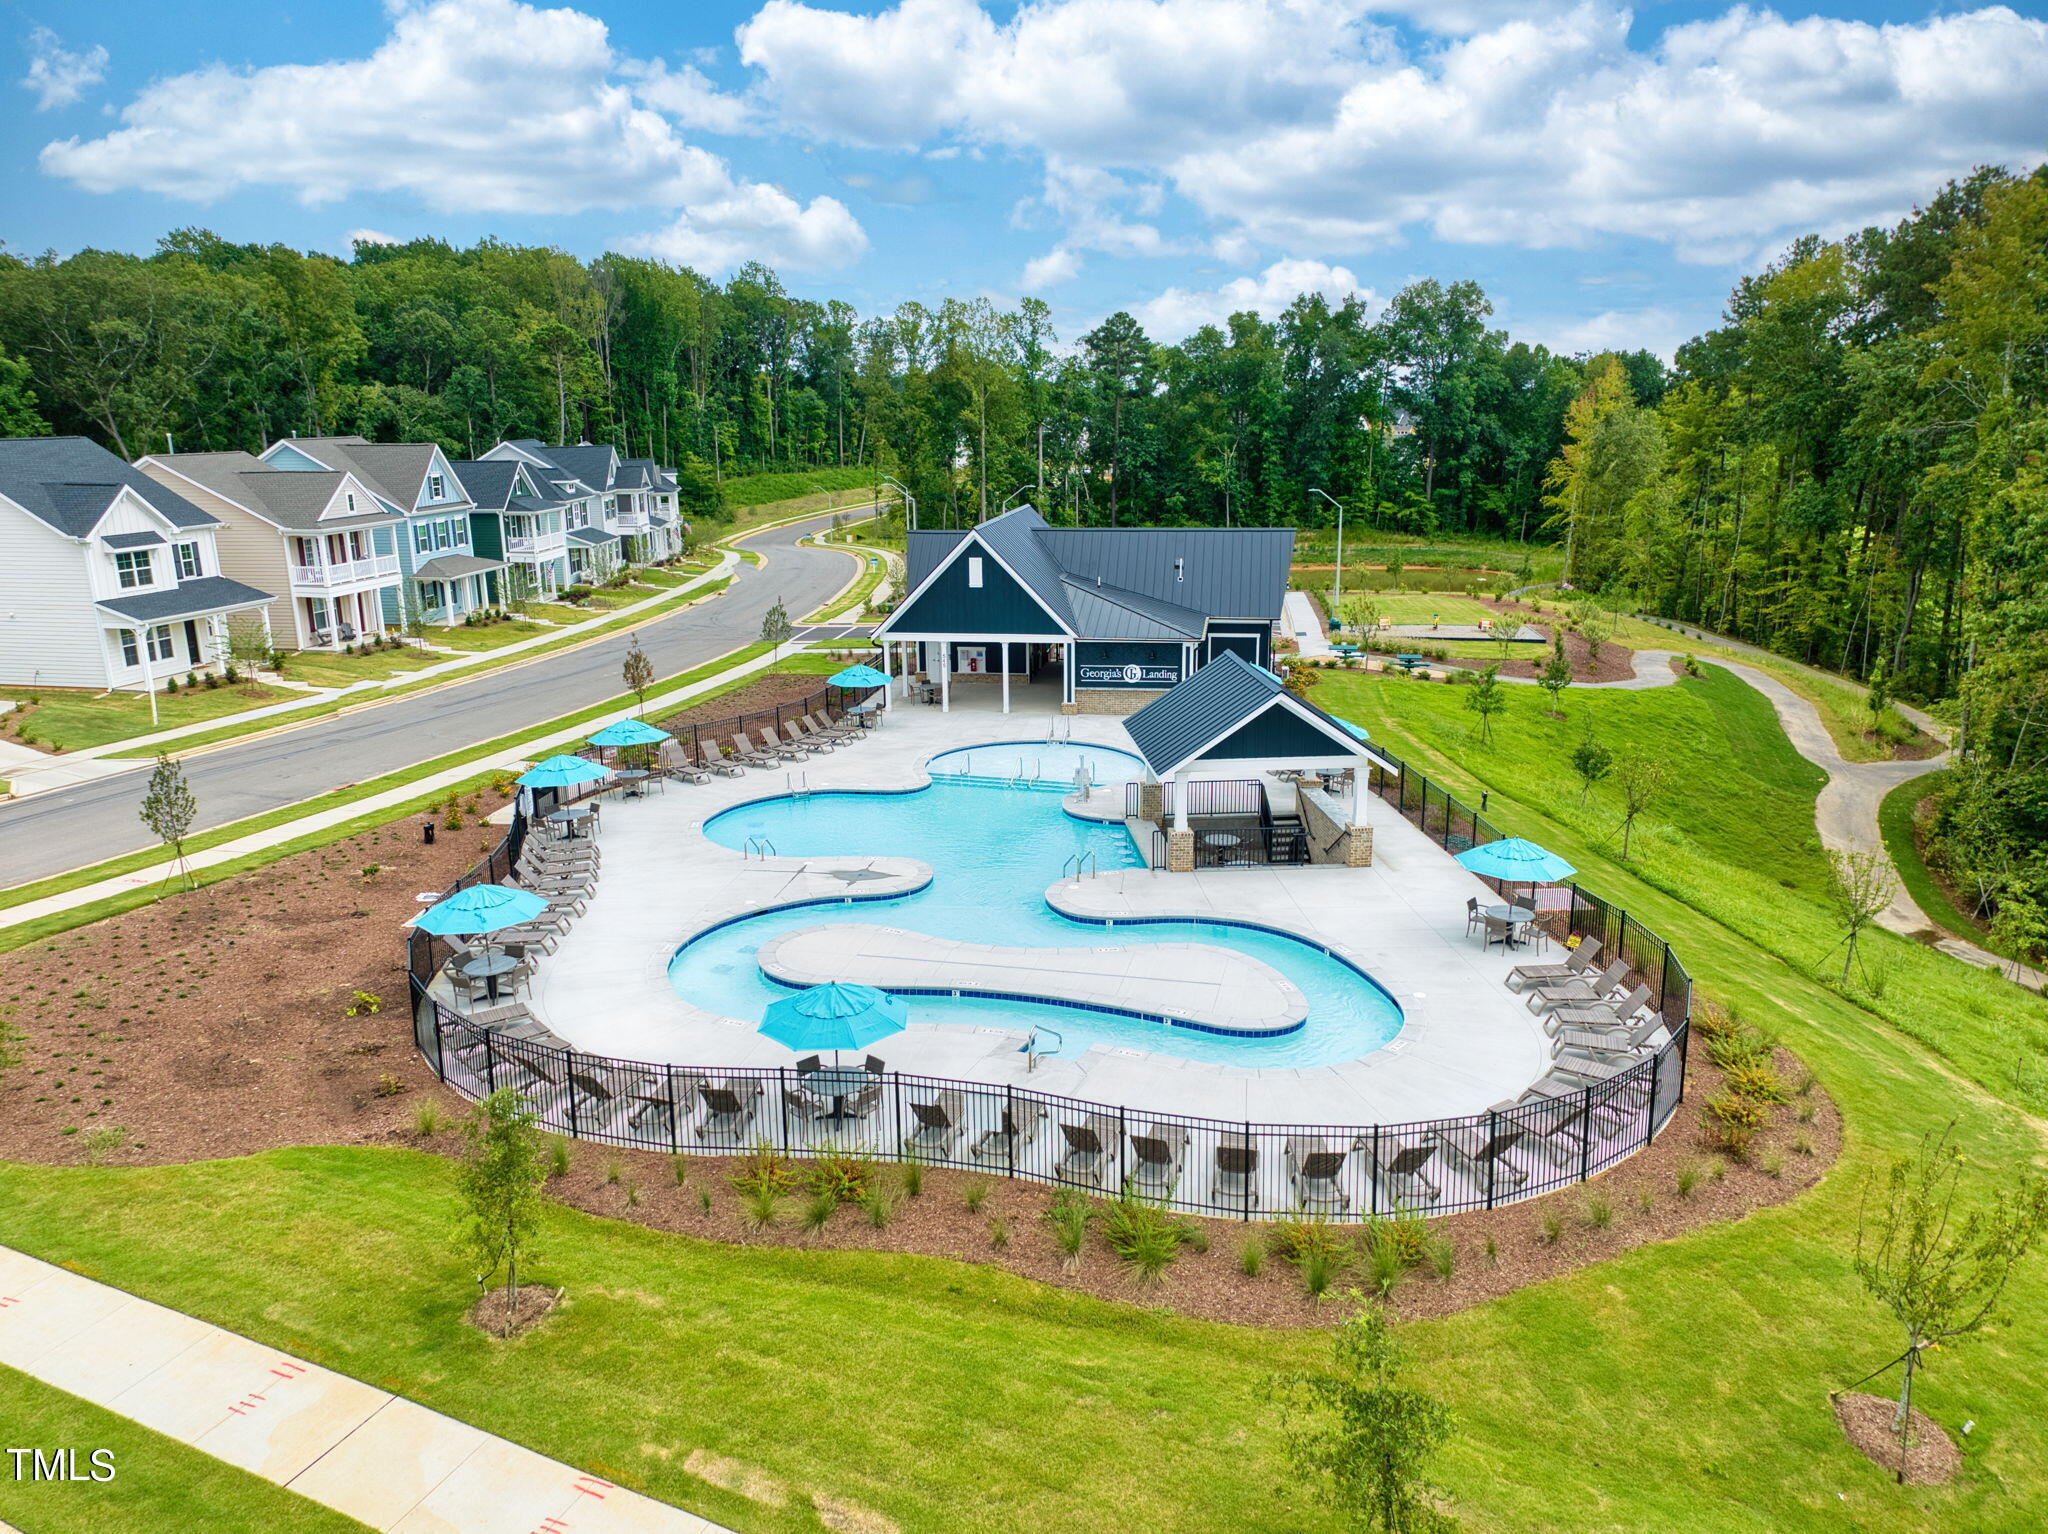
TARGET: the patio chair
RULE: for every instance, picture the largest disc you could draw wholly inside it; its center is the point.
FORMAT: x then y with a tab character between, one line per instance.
938	1125
873	1065
1598	989
809	1063
1400	1168
809	745
1313	1171
1471	915
1020	1123
1484	1154
1497	930
1578	963
1157	1156
725	1117
1237	1169
1617	1014
856	1107
776	749
1085	1154
800	1107
752	755
674	762
833	730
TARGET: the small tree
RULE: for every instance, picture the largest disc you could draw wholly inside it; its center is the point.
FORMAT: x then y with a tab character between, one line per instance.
1556	676
168	809
1487	697
2020	928
776	629
638	671
1361	1436
1859	887
1641	779
501	1182
1596	621
1940	1275
1879	698
517	588
1591	761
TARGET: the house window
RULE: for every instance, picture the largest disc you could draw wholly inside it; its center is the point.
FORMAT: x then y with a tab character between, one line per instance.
444	534
973	570
188	561
351	499
160	644
132	566
437	488
423	538
430	595
131	653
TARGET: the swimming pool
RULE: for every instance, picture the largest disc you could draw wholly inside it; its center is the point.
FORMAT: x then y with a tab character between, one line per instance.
1024	763
993	850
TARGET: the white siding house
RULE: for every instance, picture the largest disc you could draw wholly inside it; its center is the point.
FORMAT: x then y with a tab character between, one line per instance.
109	579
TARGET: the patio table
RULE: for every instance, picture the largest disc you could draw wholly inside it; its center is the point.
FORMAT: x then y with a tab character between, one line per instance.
1220	838
1516	916
569	818
632	777
487	967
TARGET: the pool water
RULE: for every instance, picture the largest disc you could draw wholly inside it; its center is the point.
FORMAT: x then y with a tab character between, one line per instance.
1024	762
993	850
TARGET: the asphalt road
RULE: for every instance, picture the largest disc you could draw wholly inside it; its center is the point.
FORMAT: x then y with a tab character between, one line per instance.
54	832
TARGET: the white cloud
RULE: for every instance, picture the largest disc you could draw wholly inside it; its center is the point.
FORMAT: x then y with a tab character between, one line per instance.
1056	266
687	94
758	223
471	106
58	76
371	237
1656	328
1179	311
1318	127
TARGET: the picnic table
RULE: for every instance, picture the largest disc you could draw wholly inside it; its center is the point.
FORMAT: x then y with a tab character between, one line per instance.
1409	662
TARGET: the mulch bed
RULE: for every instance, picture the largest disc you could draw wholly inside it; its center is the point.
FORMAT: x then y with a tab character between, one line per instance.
1931	1456
508	1317
763	693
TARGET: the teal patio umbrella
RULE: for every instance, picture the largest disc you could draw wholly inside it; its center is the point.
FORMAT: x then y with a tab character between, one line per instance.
834	1017
628	732
862	675
562	772
1356	732
1515	861
479	909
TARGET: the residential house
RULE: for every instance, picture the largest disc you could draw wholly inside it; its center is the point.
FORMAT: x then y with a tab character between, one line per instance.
443	576
515	516
622	510
110	579
326	540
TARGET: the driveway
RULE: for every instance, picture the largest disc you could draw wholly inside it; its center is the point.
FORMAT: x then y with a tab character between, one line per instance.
51	833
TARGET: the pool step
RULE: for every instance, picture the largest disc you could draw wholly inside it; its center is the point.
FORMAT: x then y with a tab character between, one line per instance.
978	780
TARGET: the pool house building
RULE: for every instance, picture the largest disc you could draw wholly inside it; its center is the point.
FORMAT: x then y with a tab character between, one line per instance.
1084	620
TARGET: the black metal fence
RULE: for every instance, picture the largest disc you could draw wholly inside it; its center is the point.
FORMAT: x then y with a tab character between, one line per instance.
717	734
1241	1169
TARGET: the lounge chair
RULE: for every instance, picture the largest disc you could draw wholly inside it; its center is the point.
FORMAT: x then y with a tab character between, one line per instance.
674	762
1313	1171
1158	1155
1086	1154
799	741
811	735
1485	1155
752	755
1578	963
938	1125
1610	1038
831	730
1400	1168
1019	1125
777	749
1616	1014
725	1116
711	759
1569	992
1237	1169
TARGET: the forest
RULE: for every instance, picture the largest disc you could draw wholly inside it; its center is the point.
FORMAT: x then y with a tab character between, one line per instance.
1848	470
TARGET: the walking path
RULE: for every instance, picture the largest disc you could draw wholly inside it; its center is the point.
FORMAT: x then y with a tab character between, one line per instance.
377	1457
30	771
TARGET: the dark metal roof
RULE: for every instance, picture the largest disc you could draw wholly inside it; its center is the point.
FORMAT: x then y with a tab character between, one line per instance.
69	482
1110	612
187	599
133	540
1226	693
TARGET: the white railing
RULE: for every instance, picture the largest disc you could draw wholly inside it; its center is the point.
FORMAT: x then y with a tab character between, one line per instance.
543	547
629	522
346	571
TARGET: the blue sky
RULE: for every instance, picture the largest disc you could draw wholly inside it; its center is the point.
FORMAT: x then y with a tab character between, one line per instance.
1604	173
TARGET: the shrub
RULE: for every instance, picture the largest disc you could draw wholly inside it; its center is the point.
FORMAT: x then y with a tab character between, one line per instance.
1318	1269
613	1170
427	1120
1553	1228
558	1157
1732	1122
1295	1237
1443	1258
1757	1082
818	1211
998	1233
388	1085
975	1196
363	1004
845	1175
1142	1234
913	1177
1251	1257
1599	1211
765	1167
760	1206
1068	1216
878	1207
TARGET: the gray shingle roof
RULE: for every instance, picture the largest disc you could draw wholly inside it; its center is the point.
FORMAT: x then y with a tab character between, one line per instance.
1211	703
187	599
133	540
290	498
488	480
593	535
451	567
395	470
592	464
68	482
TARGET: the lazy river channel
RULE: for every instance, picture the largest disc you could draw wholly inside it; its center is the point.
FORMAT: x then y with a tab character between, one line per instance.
993	850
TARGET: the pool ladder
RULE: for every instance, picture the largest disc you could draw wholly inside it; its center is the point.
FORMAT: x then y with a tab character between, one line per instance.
1083	865
1032	1051
1037	773
1059	731
799	784
758	847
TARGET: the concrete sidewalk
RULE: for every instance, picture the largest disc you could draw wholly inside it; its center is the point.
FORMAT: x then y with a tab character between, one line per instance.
379	1458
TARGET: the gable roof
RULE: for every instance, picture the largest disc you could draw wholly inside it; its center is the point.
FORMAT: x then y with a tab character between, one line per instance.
1132	582
69	482
288	498
584	469
489	481
395	470
1175	728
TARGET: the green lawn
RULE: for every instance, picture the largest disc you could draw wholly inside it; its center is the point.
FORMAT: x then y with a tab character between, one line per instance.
1895	818
490	636
328	668
158	1482
747	491
1679	1389
75	719
871	574
1424	607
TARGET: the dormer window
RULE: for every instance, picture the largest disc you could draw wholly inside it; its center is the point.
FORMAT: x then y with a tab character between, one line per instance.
133	568
350	497
437	487
974	570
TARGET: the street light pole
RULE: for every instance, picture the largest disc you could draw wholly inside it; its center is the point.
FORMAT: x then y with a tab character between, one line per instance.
1337	601
909	499
1012	496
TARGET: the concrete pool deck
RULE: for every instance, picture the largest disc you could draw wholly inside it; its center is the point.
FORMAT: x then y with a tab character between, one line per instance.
1466	1043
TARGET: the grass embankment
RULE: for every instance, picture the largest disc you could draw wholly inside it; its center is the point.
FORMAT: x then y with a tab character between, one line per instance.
74	719
150	857
330	668
749	492
1678	1389
158	1482
1898	819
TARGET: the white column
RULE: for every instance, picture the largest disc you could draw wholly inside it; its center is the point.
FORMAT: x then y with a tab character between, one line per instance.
889	671
1180	800
1360	793
946	676
1006	676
